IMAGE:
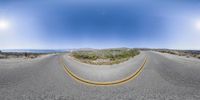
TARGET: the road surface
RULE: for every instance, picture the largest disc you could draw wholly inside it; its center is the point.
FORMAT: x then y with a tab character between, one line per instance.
164	77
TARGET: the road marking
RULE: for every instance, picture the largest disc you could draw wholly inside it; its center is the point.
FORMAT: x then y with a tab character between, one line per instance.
96	83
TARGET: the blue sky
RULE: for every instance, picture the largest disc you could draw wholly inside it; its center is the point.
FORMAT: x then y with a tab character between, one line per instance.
59	24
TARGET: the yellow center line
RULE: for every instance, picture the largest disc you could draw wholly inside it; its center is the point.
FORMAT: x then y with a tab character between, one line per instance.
96	83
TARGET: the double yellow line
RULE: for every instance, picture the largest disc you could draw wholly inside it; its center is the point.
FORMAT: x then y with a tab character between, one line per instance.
96	83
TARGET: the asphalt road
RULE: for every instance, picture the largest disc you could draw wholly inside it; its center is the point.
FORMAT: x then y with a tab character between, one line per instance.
164	77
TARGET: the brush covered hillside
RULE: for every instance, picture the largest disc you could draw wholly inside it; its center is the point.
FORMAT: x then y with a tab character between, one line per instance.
25	55
105	56
187	53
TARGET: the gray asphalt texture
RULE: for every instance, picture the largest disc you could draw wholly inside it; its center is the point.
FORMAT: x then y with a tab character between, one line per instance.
165	77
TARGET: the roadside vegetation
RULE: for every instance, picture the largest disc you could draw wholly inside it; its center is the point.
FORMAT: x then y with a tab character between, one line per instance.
8	55
105	56
187	53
